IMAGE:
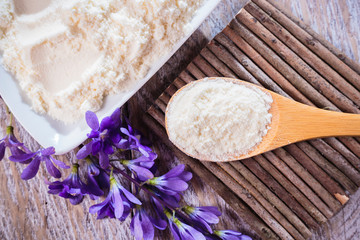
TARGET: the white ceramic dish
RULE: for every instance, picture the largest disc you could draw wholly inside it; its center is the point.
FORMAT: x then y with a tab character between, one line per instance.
63	137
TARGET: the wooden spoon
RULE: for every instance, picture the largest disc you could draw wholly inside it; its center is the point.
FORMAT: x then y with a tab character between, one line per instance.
292	122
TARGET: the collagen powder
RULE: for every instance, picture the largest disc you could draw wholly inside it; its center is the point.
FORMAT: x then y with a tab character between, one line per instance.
67	55
214	119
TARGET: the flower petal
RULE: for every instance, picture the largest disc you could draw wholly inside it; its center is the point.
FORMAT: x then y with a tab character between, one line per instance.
22	157
142	173
195	233
92	120
245	237
209	217
2	150
31	170
211	209
186	176
176	171
130	196
48	151
115	137
13	140
138	231
147	227
76	199
116	117
84	151
92	187
103	180
59	163
53	171
107	148
174	230
123	144
117	203
93	134
176	185
95	208
106	123
103	160
96	147
159	223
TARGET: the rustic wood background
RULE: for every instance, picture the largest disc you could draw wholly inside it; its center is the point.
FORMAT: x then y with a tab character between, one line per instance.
28	212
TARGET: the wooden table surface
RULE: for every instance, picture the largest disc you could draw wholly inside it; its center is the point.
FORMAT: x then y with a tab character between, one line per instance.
28	212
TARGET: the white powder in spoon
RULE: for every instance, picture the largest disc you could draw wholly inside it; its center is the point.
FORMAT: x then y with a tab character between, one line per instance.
213	119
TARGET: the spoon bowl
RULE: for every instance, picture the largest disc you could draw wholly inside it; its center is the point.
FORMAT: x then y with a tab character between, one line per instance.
291	122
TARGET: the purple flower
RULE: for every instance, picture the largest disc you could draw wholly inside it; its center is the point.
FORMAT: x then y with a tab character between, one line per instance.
181	230
103	137
35	158
159	220
134	142
118	202
72	187
140	167
97	179
231	235
173	181
141	226
10	141
203	215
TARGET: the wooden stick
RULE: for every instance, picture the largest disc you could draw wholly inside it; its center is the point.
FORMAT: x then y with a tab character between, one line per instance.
218	65
328	167
237	204
205	67
339	99
330	200
351	153
287	172
328	52
171	89
248	199
241	67
185	76
352	144
252	55
317	172
269	195
197	73
310	58
240	32
179	83
337	159
160	104
157	115
280	191
263	201
165	98
289	186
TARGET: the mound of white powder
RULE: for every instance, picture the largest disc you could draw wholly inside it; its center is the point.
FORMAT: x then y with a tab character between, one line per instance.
215	119
68	55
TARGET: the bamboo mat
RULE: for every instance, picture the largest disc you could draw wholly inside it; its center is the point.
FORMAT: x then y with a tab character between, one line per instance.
290	191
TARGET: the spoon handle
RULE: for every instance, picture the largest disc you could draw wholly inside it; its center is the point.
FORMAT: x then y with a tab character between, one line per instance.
299	122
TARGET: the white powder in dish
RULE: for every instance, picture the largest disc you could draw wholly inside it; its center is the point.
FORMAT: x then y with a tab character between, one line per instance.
67	55
213	119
